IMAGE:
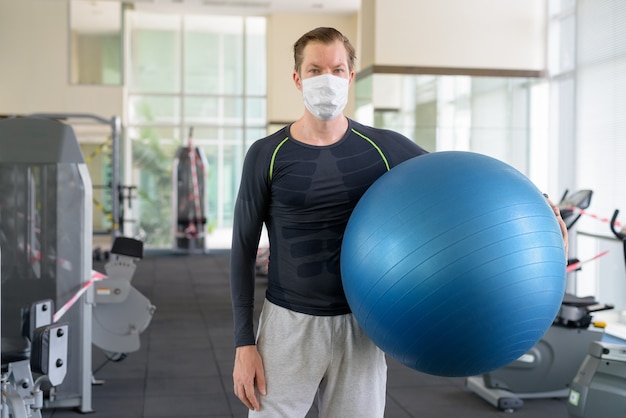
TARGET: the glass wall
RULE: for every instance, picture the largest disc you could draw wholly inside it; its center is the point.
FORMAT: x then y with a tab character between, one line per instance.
201	72
587	50
489	115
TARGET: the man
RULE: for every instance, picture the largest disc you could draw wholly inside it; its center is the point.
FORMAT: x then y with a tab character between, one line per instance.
303	183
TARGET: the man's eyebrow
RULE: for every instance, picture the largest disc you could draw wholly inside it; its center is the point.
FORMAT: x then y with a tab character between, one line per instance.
313	65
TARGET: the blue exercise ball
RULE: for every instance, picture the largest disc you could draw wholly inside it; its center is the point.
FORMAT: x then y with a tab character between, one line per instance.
453	263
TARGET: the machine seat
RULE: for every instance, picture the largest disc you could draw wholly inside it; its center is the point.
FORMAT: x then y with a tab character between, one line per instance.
15	349
578	301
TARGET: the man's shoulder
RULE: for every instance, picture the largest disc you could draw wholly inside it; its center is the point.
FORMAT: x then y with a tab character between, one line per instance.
372	132
391	143
272	140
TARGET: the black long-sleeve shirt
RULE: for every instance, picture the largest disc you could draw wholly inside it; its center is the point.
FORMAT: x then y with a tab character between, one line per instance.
304	194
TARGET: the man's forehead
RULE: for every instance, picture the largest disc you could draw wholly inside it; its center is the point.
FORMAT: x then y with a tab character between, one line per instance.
317	53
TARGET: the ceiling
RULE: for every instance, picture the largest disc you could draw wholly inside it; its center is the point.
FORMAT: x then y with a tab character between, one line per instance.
101	16
247	7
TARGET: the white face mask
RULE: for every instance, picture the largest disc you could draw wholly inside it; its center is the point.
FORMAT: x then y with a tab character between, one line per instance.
325	95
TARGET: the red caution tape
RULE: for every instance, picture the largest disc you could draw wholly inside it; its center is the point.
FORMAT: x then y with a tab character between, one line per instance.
578	264
95	276
591	215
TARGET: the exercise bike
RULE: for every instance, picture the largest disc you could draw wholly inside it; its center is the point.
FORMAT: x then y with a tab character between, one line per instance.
599	388
548	368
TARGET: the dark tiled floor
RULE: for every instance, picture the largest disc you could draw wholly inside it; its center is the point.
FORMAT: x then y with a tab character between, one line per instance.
183	368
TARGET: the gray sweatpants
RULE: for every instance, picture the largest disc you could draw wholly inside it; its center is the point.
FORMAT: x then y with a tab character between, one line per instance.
327	359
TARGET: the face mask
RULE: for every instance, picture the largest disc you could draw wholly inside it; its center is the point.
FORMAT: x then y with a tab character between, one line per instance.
325	95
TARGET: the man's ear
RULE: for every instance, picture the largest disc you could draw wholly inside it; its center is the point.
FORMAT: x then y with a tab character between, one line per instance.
297	80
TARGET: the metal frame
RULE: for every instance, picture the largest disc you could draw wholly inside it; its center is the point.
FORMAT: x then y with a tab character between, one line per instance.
116	128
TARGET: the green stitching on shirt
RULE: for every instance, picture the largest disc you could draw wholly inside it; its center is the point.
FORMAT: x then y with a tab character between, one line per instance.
274	157
375	146
353	130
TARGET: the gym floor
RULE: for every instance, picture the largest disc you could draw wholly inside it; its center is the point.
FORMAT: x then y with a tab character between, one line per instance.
184	366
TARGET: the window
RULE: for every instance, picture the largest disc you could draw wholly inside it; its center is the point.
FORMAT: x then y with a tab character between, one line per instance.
587	46
601	127
205	72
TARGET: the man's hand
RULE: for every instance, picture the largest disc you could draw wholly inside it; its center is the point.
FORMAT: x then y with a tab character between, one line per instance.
248	373
562	225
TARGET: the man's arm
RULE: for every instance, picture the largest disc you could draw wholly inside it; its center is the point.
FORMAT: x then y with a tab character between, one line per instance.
250	212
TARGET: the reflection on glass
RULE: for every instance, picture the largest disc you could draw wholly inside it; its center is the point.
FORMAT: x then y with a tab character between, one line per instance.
95	33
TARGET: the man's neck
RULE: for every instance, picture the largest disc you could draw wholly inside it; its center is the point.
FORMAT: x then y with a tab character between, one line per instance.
313	131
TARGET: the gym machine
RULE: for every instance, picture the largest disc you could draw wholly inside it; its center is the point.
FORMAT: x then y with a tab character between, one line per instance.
189	173
118	197
34	365
45	236
118	191
599	388
121	313
548	368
